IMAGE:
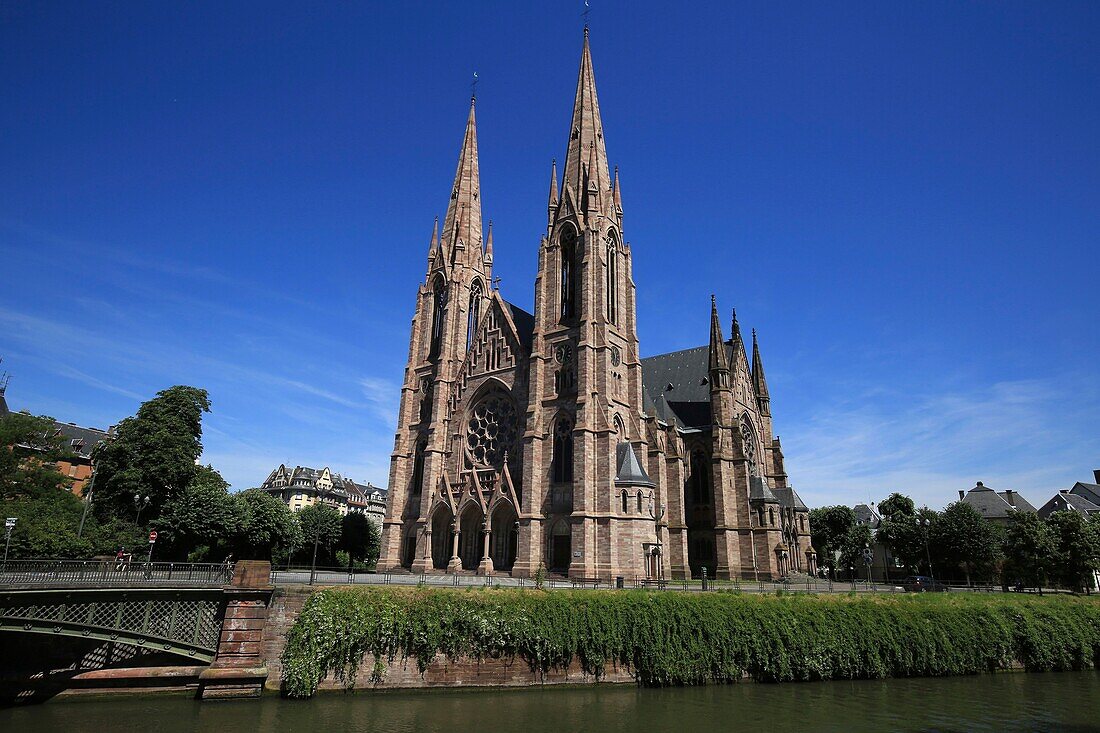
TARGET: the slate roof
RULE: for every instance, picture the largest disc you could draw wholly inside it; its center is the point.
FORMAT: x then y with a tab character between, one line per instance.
789	497
681	381
995	505
867	516
525	324
81	441
630	471
1067	501
1089	491
760	491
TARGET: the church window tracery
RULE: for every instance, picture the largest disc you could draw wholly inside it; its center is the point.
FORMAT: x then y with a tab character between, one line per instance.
439	303
561	469
568	274
474	314
492	430
612	278
700	477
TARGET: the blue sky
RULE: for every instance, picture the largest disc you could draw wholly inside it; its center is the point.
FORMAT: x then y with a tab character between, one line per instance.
904	199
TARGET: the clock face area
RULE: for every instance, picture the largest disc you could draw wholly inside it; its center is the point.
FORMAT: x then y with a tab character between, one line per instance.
616	356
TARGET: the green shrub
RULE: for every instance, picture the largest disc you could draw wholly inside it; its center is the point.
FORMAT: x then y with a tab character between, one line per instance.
688	639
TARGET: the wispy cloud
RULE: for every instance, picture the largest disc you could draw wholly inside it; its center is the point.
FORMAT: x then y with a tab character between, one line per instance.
1030	435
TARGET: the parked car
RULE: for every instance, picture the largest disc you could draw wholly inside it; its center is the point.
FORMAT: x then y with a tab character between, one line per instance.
923	584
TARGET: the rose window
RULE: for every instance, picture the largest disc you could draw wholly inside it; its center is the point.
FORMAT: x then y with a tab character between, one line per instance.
492	430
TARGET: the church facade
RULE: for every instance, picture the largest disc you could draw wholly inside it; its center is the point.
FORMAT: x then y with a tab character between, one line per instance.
544	440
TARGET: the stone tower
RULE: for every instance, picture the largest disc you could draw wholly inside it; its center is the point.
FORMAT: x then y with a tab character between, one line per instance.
585	394
449	303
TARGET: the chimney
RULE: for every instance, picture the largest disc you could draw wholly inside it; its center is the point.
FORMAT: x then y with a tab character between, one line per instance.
1096	475
962	494
1009	496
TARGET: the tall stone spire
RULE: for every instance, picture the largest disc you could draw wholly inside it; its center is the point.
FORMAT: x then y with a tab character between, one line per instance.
463	220
489	245
586	135
718	360
758	380
552	203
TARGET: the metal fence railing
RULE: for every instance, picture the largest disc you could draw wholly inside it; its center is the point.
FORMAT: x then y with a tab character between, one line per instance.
112	574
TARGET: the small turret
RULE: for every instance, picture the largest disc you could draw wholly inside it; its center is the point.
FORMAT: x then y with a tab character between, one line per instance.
489	245
719	364
758	380
552	204
617	195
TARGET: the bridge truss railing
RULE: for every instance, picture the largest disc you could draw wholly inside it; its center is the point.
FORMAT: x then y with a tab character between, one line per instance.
112	574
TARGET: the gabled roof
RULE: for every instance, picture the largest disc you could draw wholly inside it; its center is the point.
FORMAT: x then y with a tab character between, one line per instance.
79	440
789	497
681	381
1067	501
1089	491
865	515
630	471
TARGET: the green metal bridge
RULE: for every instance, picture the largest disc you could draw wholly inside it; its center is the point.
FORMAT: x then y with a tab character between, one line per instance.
175	608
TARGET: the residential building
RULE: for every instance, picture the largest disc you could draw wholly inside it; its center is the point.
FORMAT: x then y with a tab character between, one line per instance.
302	486
1081	497
996	506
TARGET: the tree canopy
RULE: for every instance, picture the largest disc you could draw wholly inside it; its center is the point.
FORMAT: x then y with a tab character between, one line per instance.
153	453
829	527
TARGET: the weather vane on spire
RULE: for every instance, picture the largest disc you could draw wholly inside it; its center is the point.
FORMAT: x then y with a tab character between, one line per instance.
473	87
587	10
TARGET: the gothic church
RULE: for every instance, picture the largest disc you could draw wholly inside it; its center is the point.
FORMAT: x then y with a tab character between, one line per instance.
545	440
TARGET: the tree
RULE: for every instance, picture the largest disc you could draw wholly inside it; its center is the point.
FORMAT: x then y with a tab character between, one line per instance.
202	520
153	453
360	538
1077	544
829	526
1030	549
321	526
852	546
963	538
903	531
29	448
267	526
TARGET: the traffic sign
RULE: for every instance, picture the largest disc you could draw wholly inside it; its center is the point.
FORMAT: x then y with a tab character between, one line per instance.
152	537
9	522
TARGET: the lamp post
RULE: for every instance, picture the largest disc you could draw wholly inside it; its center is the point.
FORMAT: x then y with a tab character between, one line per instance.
87	504
313	565
924	524
9	525
140	502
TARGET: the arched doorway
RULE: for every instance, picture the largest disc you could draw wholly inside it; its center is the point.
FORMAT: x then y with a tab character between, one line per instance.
561	548
502	544
469	538
408	549
441	537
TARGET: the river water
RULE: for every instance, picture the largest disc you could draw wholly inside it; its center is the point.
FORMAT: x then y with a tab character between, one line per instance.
1067	701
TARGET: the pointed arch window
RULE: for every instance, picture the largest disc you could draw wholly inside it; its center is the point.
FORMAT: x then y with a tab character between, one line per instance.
700	477
418	469
612	285
439	303
561	467
474	314
640	500
568	281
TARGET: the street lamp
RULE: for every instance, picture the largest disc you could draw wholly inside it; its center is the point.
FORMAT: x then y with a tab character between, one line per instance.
9	525
926	523
87	504
140	502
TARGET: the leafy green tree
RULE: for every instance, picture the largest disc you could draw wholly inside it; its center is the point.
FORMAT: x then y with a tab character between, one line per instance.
268	528
897	505
201	521
964	539
321	525
829	526
905	532
852	546
360	538
153	453
1030	550
1077	543
29	448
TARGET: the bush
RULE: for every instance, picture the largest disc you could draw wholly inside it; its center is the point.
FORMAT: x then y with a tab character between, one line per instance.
689	639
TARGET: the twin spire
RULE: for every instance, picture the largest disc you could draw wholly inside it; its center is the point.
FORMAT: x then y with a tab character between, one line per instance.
461	236
721	362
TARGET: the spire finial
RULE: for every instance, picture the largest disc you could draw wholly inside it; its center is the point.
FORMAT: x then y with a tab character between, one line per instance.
587	10
473	89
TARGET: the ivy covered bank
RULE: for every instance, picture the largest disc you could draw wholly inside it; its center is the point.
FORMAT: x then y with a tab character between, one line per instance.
688	638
